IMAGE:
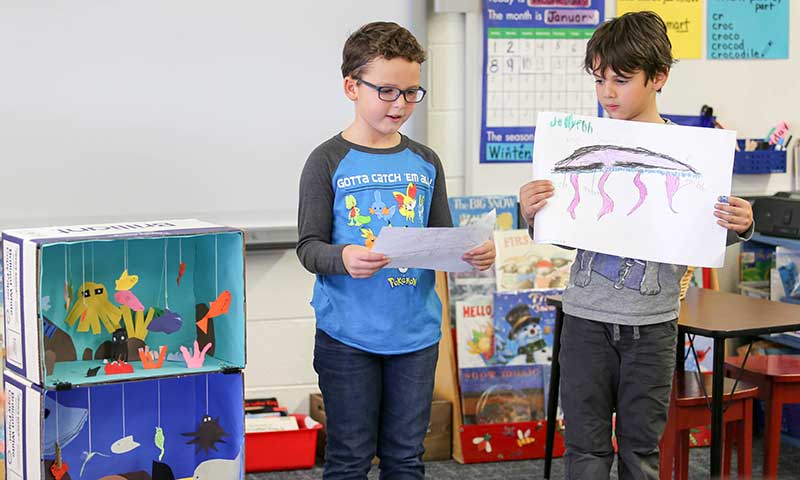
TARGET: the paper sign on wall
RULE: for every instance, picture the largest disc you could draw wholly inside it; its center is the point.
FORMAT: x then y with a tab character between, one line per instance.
533	61
747	29
633	189
684	22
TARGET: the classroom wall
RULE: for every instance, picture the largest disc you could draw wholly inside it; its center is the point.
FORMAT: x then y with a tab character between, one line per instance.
118	110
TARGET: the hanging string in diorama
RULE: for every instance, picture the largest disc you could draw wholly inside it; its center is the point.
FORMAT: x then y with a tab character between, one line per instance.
124	296
59	468
90	453
161	471
93	307
126	443
181	263
67	279
208	433
166	321
222	304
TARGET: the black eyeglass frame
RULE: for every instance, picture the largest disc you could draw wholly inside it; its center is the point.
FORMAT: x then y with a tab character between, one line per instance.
404	93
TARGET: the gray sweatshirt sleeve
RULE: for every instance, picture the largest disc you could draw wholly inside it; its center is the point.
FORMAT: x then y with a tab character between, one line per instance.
439	207
315	215
440	210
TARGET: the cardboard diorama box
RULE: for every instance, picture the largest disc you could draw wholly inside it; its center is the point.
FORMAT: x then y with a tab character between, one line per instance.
161	429
105	303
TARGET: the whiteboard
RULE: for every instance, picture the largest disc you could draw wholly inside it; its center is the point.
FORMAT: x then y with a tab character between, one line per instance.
117	110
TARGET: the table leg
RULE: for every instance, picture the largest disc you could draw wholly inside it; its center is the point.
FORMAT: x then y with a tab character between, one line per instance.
680	351
716	407
552	400
773	407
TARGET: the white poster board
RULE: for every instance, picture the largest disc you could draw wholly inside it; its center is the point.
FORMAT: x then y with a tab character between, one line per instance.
633	189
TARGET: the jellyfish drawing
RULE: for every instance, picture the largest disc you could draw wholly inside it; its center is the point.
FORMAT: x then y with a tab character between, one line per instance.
612	158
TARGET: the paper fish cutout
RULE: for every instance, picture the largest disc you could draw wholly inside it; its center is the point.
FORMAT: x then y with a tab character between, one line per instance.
67	295
218	307
70	423
92	372
45	304
125	281
219	468
159	441
167	322
124	445
128	299
181	271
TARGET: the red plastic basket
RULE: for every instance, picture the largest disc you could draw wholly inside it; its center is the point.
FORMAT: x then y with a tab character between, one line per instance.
268	451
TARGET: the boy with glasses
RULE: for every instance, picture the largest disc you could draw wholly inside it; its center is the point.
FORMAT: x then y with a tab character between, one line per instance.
378	329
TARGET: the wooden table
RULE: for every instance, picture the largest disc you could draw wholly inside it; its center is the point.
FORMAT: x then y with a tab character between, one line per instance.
704	312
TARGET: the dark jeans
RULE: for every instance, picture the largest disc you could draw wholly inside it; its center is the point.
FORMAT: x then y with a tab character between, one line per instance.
375	404
601	375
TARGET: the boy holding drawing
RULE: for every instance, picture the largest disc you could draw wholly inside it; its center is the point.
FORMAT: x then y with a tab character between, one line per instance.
620	327
378	329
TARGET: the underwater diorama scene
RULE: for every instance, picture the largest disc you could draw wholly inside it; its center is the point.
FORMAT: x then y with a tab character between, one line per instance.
130	308
161	429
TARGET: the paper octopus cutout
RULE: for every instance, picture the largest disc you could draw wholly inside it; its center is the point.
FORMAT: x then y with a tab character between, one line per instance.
208	433
93	308
610	158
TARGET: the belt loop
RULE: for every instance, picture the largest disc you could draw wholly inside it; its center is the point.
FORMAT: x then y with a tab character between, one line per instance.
616	333
636	332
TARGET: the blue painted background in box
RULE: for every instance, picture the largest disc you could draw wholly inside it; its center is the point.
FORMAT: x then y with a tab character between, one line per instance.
183	403
214	263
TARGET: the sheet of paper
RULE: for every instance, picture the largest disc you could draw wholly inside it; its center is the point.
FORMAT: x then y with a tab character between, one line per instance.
433	248
747	30
684	22
632	189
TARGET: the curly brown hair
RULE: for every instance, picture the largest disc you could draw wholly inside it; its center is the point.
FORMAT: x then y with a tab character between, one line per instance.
378	39
630	43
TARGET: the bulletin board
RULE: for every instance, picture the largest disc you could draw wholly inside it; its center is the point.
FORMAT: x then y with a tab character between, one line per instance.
532	62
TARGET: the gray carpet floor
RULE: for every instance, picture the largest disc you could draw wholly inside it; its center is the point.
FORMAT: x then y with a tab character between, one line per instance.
789	468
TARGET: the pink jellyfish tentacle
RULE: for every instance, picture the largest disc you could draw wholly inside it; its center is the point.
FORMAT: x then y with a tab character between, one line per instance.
573	179
673	182
608	203
637	180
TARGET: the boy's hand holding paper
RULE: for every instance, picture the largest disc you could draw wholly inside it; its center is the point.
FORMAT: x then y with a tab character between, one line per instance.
446	249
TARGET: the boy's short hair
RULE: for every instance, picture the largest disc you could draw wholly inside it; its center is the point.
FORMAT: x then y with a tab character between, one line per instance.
379	39
635	41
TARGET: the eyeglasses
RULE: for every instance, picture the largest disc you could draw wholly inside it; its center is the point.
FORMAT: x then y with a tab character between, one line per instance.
390	94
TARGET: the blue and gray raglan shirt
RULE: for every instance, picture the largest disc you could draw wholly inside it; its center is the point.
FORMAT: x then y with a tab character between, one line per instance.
348	194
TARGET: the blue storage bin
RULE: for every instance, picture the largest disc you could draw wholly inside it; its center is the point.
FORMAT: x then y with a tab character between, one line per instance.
758	161
705	121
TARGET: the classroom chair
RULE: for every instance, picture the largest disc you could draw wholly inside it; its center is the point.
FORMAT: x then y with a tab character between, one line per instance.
778	381
689	408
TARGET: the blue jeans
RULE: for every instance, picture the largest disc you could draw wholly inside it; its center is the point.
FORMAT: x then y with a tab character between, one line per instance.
375	404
